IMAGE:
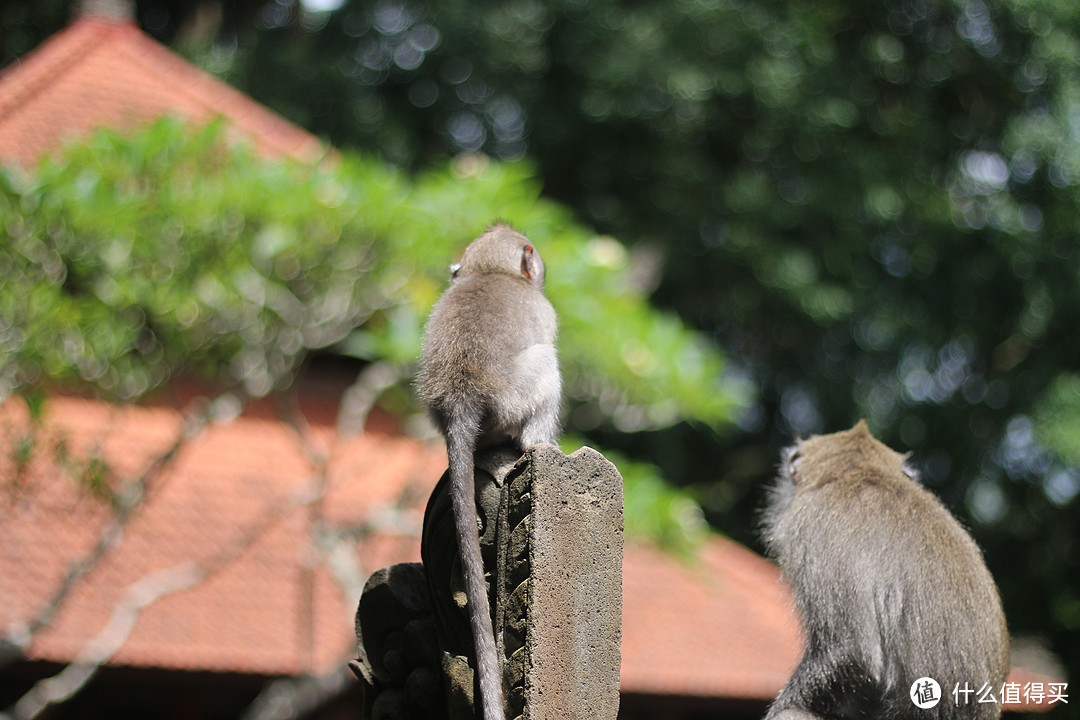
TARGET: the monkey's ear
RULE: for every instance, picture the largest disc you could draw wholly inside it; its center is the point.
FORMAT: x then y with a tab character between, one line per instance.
454	270
789	462
908	469
528	263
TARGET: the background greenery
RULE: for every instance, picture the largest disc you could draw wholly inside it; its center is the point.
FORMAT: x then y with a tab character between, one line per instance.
131	262
871	209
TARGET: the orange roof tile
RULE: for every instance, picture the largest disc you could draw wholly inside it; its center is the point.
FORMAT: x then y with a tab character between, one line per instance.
720	625
250	615
103	72
717	626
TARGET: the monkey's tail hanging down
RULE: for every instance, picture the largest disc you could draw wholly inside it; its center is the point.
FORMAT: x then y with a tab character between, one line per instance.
463	430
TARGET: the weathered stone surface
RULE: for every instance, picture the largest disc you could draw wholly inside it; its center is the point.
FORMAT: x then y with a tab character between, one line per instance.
575	599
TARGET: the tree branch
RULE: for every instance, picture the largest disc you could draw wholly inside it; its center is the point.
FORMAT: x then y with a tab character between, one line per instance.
140	595
129	500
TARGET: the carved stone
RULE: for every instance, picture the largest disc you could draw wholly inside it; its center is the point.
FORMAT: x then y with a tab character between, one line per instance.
398	663
551	538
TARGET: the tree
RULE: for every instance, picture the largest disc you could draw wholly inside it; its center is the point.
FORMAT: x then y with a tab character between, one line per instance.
133	262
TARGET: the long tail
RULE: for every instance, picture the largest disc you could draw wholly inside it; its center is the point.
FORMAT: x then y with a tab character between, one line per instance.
460	444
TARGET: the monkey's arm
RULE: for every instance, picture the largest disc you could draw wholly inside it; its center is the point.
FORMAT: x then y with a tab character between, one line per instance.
534	402
827	684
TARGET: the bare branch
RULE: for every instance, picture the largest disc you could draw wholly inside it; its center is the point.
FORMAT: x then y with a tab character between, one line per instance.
289	412
129	499
329	546
140	595
358	400
289	698
294	697
101	648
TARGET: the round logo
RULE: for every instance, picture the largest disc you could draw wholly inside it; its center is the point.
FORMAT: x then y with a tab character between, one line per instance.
925	693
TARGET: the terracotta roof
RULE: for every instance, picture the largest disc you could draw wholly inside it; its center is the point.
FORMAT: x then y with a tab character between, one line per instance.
102	72
719	625
716	626
250	615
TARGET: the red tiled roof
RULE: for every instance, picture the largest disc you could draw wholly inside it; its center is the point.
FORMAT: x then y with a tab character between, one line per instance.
102	72
717	626
250	615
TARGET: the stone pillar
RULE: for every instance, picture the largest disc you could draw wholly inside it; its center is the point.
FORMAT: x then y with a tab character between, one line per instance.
552	543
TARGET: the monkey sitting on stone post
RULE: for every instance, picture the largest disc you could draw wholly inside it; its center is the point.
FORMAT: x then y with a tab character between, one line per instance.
489	370
890	588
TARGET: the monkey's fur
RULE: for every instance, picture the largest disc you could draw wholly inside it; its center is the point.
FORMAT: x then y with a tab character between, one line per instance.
890	588
488	370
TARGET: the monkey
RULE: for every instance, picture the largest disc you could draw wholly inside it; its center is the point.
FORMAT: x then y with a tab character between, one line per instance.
489	370
888	585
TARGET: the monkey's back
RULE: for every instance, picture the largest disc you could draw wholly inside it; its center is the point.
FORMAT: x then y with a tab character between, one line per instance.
477	335
886	579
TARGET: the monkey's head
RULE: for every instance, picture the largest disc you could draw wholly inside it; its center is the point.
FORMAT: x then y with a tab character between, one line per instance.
852	455
501	249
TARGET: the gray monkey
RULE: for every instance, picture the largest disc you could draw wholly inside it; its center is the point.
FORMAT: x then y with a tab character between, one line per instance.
889	586
489	370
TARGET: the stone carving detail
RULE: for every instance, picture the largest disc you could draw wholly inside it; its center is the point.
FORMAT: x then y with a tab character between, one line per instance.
551	536
399	654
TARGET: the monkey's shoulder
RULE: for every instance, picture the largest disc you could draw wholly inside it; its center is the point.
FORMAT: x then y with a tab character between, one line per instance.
496	307
864	496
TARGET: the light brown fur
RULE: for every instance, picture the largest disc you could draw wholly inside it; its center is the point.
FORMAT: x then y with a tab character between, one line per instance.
889	585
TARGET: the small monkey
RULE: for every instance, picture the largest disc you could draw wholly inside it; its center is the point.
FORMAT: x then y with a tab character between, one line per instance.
889	586
489	370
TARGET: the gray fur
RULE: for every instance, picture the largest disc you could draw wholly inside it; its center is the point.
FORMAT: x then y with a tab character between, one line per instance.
889	586
489	370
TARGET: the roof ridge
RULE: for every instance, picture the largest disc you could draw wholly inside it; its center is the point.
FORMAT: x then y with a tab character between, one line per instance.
107	72
202	86
44	65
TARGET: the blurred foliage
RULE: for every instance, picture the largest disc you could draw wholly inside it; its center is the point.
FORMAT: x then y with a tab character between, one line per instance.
870	207
129	262
1058	427
25	24
654	509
